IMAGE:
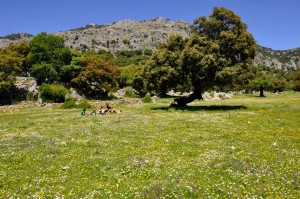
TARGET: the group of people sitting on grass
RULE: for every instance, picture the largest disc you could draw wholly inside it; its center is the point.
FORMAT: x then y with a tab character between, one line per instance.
101	111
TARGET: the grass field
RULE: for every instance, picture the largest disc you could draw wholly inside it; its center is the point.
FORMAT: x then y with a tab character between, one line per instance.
244	147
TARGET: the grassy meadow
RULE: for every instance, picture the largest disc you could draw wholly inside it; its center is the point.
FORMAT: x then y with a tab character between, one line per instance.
244	147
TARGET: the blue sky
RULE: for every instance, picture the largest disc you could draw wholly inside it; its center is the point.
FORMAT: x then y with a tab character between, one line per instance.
274	23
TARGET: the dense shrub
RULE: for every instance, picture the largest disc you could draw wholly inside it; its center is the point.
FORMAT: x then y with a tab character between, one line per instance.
44	73
296	77
69	104
147	99
52	93
84	104
130	92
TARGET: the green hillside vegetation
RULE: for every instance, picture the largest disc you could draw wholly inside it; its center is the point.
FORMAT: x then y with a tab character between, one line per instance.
210	59
281	55
244	147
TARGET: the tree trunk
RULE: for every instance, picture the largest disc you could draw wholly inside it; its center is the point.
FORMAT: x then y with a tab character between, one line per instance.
261	91
183	101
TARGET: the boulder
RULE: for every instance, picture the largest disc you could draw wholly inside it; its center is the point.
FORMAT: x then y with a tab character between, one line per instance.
26	88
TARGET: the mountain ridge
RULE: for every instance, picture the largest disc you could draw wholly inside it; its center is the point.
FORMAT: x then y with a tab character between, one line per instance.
131	34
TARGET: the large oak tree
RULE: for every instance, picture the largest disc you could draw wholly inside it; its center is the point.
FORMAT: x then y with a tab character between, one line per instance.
219	53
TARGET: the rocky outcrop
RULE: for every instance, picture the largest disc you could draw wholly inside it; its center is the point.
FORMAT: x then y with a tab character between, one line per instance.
280	59
26	88
139	35
14	39
124	35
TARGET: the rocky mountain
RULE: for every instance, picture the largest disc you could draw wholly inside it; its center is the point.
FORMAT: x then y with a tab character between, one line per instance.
134	35
14	39
124	35
280	59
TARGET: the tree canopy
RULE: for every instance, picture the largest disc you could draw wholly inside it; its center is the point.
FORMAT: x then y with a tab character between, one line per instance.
48	52
219	53
96	77
12	63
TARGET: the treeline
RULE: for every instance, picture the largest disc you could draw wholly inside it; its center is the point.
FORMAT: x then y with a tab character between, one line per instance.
51	63
217	56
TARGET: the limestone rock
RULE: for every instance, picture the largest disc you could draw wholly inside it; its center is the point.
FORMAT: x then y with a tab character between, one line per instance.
26	88
139	35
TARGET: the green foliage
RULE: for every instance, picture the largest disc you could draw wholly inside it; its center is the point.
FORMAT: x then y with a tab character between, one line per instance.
12	63
165	70
101	54
220	52
84	104
48	49
127	74
44	73
126	41
97	77
138	80
129	57
69	104
69	72
269	80
147	98
130	92
279	83
52	93
262	82
296	80
234	48
148	52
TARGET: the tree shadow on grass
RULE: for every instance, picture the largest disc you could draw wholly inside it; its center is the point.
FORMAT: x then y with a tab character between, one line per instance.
203	108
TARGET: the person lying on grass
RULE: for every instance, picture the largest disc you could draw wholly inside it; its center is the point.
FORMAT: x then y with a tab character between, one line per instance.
110	109
101	110
82	113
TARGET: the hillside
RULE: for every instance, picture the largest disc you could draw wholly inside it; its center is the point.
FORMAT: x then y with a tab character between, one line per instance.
134	35
280	59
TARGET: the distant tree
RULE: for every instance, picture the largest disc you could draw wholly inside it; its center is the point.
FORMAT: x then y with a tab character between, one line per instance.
126	41
129	57
261	84
218	53
296	80
127	74
48	49
97	77
12	63
279	83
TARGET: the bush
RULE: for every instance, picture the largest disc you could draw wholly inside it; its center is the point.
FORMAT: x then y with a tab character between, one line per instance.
69	104
84	104
147	99
52	93
130	92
